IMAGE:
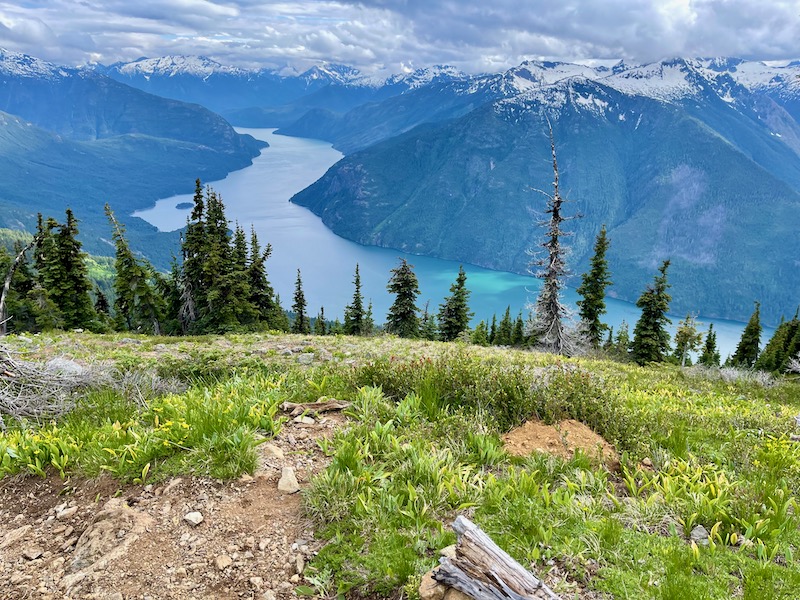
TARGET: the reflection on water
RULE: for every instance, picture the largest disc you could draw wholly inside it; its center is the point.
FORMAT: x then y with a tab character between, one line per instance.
259	195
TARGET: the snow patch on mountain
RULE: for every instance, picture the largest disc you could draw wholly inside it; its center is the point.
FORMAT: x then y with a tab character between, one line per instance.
170	66
22	65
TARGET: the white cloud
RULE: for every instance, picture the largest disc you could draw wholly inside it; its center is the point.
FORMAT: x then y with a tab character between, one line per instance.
474	35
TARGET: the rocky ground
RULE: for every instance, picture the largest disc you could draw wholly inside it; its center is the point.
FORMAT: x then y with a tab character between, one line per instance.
182	538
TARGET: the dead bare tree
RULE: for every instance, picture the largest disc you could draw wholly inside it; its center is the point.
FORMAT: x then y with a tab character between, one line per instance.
794	364
7	284
550	325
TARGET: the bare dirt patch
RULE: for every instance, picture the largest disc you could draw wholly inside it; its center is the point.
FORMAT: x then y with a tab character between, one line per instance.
103	540
562	439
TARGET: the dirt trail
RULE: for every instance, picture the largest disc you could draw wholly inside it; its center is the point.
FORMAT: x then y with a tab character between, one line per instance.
95	539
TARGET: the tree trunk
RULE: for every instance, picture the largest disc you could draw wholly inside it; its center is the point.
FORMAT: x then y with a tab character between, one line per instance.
483	571
7	284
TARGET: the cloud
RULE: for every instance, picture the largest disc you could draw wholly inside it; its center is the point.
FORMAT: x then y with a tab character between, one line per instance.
474	35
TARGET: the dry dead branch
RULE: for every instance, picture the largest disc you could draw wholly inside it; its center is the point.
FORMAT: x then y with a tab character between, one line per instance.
315	407
482	570
37	391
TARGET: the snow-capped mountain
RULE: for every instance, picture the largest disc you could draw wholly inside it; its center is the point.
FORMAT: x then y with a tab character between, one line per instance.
21	65
171	66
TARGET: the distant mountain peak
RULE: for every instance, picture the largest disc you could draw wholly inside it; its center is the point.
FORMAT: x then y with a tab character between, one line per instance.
24	65
170	66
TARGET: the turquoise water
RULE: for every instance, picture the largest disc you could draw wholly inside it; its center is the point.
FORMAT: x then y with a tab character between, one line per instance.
260	194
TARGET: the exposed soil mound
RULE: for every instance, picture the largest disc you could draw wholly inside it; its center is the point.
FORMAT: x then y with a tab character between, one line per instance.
559	440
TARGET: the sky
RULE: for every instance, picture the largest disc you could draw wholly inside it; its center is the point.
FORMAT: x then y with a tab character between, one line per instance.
399	35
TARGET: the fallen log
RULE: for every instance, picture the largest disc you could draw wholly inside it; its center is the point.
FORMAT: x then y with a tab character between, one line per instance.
317	407
484	571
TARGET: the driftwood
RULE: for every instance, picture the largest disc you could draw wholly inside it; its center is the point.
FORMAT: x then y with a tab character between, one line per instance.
317	407
483	571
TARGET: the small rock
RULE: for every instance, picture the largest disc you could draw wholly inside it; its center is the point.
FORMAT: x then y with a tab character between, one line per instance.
246	478
286	352
69	543
18	578
699	535
273	451
116	596
306	358
268	595
223	561
172	485
430	589
181	572
66	513
449	552
295	578
288	482
194	518
257	582
299	564
647	462
32	552
304	420
14	535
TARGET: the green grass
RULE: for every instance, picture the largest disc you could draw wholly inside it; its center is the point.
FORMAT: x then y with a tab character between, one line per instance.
423	446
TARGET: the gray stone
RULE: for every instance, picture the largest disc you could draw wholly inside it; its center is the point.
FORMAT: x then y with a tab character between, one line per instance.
32	552
66	513
299	564
288	482
194	518
257	582
449	552
306	358
273	451
430	589
223	561
699	535
268	595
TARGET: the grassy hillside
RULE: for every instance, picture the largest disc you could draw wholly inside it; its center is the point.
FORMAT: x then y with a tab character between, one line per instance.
421	445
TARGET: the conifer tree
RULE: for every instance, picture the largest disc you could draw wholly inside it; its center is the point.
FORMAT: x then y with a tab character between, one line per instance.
301	323
336	327
369	320
16	283
493	329
549	327
320	327
191	282
428	328
402	319
779	349
454	313
710	355
650	336
593	290
480	337
137	304
518	333
281	318
746	352
622	342
354	312
505	330
65	277
609	343
262	296
687	339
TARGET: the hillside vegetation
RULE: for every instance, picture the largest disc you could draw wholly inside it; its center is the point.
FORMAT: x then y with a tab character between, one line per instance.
422	443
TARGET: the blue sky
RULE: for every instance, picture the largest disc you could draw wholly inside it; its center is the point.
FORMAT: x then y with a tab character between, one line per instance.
393	35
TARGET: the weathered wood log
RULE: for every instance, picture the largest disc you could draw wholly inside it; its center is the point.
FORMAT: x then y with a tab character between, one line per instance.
484	571
318	406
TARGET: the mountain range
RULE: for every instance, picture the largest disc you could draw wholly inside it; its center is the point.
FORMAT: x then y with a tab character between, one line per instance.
695	160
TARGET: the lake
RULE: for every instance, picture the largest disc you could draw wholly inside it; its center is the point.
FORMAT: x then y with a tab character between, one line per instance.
259	195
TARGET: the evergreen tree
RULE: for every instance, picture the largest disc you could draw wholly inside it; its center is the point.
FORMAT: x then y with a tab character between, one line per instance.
354	312
137	304
480	336
622	342
428	328
262	296
454	314
493	329
336	328
650	336
518	333
300	323
64	275
505	330
402	319
609	343
191	283
687	339
747	351
593	290
17	310
369	320
710	354
280	320
780	349
320	327
549	327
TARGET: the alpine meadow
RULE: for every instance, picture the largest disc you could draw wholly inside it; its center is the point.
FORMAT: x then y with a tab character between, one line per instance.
427	301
